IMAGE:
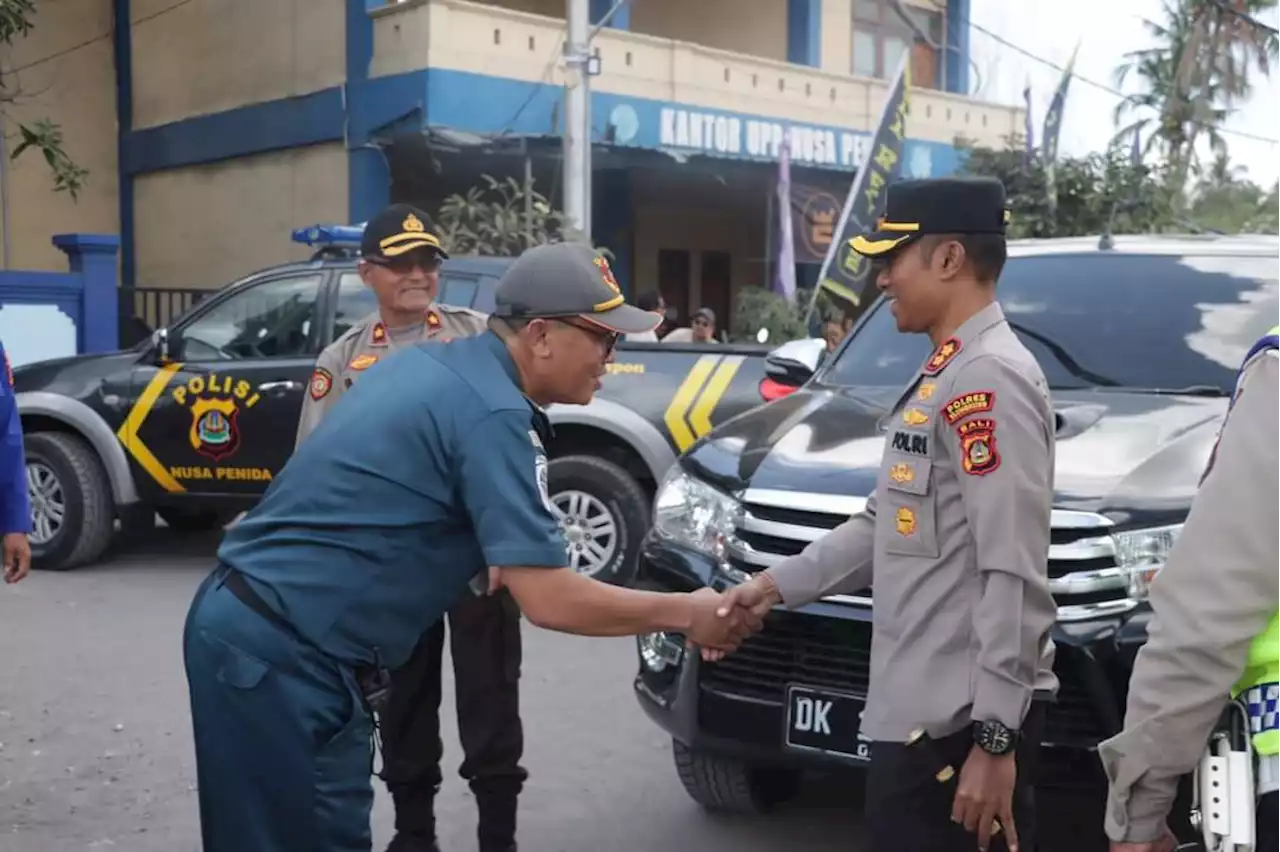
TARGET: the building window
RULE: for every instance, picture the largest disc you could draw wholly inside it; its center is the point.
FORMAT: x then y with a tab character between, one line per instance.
881	35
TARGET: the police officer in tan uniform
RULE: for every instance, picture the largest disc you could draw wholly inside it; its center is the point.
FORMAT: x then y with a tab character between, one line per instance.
401	258
954	540
1209	638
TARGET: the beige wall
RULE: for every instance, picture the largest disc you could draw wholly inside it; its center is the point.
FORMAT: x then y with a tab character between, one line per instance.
759	27
204	226
205	56
75	88
496	41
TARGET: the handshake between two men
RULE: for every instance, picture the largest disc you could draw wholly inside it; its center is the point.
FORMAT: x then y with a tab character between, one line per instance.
738	614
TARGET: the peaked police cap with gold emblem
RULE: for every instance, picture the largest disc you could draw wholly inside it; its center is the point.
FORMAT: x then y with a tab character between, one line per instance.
398	229
566	280
913	208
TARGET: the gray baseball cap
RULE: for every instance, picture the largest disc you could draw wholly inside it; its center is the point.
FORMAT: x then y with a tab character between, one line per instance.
565	280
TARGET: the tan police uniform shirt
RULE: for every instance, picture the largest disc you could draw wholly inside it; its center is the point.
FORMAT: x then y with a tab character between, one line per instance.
368	341
954	542
1217	591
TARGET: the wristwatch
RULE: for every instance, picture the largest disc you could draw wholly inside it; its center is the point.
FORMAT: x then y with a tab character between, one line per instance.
994	738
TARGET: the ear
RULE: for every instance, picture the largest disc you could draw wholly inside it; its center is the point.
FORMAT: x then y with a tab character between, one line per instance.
949	259
537	336
365	270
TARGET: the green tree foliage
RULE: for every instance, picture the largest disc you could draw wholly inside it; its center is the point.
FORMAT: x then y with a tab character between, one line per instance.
498	220
1094	191
1224	200
759	307
42	134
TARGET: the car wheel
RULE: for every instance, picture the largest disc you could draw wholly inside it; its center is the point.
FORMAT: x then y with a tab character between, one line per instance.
187	520
603	515
733	786
72	511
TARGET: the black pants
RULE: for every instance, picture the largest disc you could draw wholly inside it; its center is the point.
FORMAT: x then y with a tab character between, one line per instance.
908	810
1266	840
484	634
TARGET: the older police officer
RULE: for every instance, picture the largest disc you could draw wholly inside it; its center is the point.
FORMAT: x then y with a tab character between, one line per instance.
1214	635
431	469
400	263
954	540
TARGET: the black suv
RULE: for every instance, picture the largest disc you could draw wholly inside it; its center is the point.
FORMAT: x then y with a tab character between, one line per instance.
1141	343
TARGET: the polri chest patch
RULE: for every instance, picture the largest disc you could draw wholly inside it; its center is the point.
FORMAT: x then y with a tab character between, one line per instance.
911	443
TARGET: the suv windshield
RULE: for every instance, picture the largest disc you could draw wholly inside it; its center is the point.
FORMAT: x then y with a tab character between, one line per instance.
1144	322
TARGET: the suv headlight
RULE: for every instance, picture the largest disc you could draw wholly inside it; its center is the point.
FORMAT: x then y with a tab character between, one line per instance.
1142	553
692	513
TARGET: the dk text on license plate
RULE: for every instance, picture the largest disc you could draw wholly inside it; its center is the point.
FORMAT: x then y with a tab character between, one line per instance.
818	720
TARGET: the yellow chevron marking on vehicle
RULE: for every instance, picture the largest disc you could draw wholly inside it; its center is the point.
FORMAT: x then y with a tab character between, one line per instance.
680	431
700	416
128	433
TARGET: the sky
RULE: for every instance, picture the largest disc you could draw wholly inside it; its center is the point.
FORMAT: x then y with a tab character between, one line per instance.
1106	30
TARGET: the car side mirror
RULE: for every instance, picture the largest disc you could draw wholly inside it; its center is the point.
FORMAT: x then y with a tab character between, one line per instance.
794	362
160	343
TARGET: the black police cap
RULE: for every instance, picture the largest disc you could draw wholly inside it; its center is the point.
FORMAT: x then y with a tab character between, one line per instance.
913	208
398	229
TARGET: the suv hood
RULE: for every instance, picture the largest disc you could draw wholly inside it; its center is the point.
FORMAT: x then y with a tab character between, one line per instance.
1134	457
73	375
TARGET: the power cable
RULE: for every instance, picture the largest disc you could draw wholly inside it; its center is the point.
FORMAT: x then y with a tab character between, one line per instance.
1060	69
97	38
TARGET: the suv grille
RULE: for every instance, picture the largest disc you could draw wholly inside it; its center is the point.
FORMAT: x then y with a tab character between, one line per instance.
1083	575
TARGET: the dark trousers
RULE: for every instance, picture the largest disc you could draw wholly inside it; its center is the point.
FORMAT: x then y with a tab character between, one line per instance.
1266	840
484	637
908	810
283	741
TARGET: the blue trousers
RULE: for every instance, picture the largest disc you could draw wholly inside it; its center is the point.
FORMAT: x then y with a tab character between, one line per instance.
284	749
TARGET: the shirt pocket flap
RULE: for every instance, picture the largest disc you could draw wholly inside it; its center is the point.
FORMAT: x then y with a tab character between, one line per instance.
908	475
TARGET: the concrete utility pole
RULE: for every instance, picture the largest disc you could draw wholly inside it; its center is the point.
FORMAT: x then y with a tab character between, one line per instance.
577	118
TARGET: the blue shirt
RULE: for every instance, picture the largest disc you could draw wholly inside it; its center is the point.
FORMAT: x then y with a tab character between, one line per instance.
428	470
15	502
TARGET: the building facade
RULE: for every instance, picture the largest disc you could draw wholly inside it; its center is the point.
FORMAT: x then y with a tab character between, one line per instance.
211	128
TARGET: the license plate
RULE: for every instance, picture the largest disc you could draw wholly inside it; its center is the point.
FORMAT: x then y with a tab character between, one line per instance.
827	722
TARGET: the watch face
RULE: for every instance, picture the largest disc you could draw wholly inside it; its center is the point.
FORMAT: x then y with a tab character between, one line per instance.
995	738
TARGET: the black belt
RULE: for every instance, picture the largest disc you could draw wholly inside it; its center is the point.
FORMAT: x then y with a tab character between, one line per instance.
374	681
239	587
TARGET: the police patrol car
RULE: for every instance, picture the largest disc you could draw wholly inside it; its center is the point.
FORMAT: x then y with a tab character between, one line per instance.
194	422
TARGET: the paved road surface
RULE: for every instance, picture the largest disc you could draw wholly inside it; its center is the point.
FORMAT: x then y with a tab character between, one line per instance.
96	743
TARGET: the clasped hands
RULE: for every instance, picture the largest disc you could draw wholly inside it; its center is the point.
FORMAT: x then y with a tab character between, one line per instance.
721	622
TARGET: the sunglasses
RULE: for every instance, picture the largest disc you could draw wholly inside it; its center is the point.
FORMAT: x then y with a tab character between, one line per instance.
427	261
608	338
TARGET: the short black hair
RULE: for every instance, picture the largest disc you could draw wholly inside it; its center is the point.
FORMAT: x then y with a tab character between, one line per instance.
986	252
649	300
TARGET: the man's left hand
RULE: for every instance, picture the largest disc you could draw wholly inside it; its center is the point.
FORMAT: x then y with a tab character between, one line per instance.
17	557
985	796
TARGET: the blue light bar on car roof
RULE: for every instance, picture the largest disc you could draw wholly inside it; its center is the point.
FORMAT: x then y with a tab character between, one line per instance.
329	235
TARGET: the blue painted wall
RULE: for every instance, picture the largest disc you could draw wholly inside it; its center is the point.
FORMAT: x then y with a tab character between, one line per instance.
804	32
358	110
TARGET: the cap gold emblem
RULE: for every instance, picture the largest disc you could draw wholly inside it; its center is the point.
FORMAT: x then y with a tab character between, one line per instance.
413	223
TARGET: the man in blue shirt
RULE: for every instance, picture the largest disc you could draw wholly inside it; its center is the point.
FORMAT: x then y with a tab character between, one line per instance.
430	476
15	501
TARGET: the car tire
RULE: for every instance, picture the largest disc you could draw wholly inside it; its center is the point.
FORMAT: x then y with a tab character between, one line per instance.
66	471
733	786
187	520
603	508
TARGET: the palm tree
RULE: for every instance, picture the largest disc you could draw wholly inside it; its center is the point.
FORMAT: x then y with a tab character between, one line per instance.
1198	70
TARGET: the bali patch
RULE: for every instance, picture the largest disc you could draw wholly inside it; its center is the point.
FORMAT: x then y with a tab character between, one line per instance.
321	384
978	452
968	404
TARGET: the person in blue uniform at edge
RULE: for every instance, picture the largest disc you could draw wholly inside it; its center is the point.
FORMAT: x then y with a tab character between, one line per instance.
15	501
428	478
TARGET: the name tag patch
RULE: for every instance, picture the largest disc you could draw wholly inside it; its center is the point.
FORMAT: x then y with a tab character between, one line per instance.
968	404
978	446
912	443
